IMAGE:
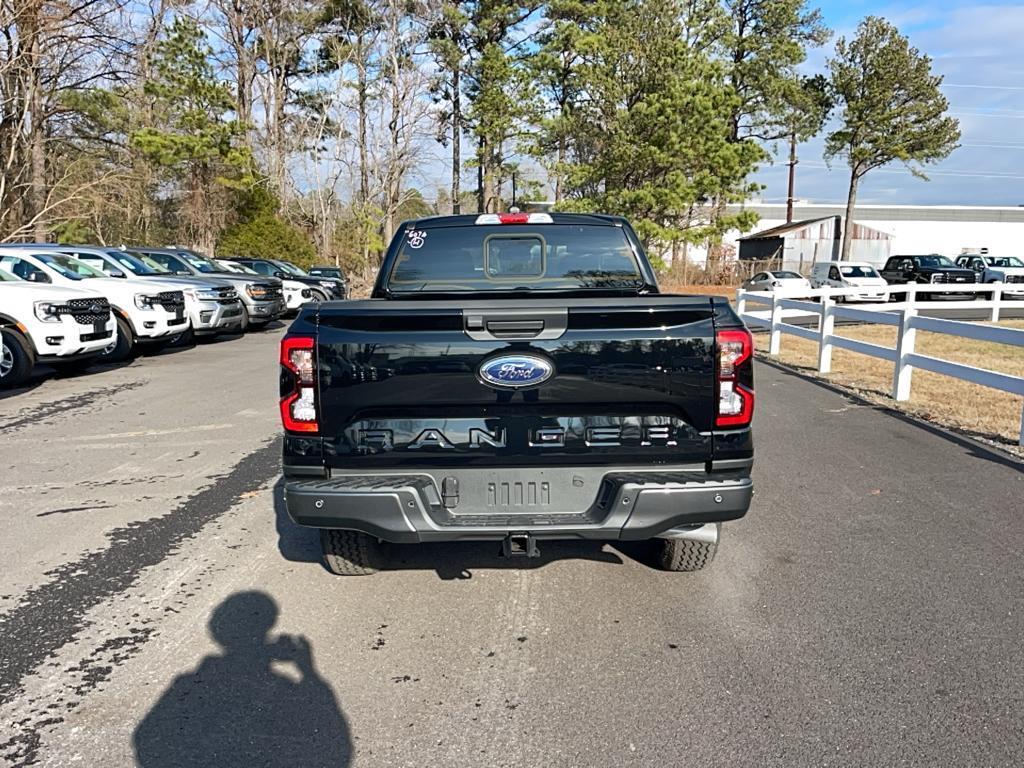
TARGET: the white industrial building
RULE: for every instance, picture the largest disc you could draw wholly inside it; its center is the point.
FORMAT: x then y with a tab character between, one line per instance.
915	229
894	229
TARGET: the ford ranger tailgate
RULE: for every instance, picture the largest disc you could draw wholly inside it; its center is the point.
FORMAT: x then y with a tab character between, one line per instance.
626	381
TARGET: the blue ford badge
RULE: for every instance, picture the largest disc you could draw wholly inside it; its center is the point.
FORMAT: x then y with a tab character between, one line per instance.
516	371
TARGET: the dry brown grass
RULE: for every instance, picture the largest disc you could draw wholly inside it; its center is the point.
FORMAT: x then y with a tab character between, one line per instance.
971	408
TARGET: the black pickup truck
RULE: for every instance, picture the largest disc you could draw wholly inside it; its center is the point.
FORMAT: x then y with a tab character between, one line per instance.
517	377
931	269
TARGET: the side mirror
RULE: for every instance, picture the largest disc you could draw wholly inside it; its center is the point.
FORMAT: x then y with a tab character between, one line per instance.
38	277
117	273
280	273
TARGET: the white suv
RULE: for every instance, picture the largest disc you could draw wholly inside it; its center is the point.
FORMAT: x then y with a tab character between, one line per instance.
49	324
143	312
295	293
212	305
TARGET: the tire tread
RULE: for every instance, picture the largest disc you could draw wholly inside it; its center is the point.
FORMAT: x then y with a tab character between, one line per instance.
685	555
350	553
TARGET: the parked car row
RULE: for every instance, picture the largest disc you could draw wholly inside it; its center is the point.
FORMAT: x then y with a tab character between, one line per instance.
877	286
73	305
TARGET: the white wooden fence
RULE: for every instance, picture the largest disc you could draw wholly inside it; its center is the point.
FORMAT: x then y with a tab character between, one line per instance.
904	315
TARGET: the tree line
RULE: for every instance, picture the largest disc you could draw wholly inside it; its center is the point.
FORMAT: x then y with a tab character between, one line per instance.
311	128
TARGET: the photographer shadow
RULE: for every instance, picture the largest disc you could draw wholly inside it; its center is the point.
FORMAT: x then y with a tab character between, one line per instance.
260	702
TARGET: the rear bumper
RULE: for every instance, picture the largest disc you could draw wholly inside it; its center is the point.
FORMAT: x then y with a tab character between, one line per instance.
408	508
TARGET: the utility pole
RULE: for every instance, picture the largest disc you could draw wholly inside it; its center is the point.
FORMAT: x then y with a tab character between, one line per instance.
792	177
513	189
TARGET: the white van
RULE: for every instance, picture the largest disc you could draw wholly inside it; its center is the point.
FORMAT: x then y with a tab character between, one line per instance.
850	274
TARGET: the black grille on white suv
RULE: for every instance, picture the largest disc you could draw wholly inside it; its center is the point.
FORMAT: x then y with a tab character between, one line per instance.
172	301
89	311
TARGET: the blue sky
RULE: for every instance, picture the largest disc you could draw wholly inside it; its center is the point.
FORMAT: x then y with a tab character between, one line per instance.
979	48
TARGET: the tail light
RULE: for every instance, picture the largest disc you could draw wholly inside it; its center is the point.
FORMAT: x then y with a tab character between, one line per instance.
298	384
735	378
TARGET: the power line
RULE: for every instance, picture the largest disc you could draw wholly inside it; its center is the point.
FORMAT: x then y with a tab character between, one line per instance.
929	172
989	114
995	146
986	87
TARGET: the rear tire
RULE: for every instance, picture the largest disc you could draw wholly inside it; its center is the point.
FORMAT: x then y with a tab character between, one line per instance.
16	360
123	346
685	555
350	553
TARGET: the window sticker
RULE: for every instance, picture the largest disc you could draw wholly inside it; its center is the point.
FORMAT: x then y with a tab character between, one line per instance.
416	238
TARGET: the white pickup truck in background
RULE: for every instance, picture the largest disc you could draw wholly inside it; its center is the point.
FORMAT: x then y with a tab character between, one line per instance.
49	324
295	293
996	269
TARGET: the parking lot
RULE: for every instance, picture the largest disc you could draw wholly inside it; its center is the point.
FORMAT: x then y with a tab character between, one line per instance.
157	608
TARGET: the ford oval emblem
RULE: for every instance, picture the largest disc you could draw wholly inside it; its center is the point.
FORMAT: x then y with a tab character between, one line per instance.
516	371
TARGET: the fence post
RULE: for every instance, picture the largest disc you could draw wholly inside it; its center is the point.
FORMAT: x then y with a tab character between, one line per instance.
741	302
997	296
776	332
904	348
825	328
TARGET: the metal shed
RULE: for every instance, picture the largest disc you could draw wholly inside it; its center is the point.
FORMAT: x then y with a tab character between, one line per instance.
799	244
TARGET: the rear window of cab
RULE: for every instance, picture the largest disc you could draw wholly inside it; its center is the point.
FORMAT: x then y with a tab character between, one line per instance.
504	257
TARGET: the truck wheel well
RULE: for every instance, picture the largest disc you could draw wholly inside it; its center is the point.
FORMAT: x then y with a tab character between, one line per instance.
124	316
12	326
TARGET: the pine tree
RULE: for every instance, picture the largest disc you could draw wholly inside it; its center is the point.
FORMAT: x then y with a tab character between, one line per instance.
651	134
555	67
196	140
447	41
764	43
892	108
497	86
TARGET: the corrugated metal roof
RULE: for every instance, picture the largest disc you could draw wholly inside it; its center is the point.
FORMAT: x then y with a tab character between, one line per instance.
784	229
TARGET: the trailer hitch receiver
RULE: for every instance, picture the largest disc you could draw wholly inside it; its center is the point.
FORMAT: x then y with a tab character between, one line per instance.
519	545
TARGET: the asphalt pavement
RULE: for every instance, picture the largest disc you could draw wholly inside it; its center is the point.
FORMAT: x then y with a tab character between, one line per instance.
157	608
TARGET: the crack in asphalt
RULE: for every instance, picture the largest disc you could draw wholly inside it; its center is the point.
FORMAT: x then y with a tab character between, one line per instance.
52	614
66	510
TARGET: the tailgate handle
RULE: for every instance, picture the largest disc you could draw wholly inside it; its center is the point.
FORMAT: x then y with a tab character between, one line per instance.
503	329
514	324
